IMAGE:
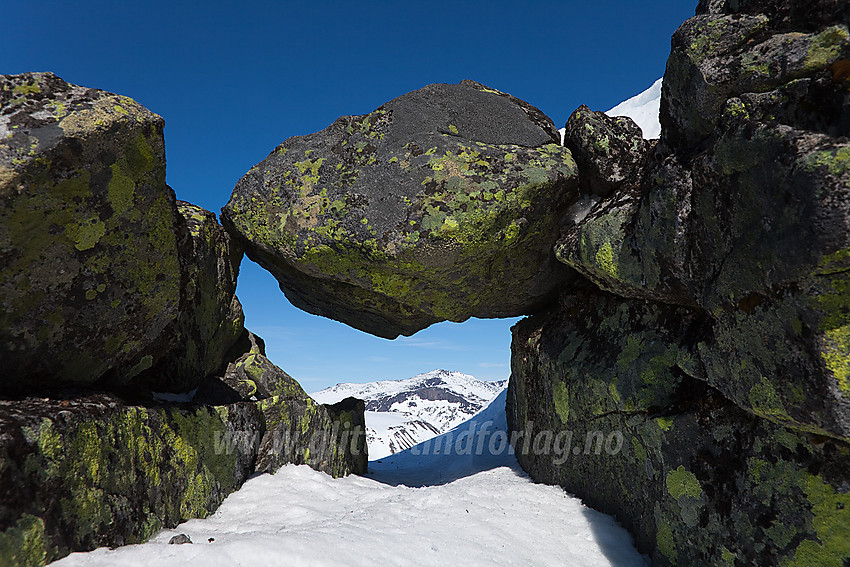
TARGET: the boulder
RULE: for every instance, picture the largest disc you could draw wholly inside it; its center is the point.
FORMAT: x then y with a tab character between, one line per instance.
757	47
329	438
709	350
609	398
90	469
210	320
754	230
103	279
442	204
90	282
610	151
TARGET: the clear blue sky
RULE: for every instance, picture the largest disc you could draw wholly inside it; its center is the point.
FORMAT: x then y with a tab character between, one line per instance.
234	79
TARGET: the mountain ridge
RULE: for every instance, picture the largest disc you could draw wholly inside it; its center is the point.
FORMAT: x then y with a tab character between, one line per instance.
402	413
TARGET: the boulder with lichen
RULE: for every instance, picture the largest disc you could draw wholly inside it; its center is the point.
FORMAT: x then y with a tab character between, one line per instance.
709	344
90	469
104	277
442	204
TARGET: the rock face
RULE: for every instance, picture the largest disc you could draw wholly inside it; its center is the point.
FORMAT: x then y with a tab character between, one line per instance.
713	335
88	232
328	437
210	319
91	470
440	205
103	277
610	151
613	397
108	282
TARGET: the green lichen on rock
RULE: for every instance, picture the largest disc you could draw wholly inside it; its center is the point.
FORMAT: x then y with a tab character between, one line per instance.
91	471
681	482
697	480
392	220
211	319
87	216
95	472
24	544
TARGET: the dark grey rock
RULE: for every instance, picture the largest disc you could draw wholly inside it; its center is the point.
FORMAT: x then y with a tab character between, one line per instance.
440	205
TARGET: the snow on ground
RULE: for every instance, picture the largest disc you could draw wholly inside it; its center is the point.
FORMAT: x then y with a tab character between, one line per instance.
417	507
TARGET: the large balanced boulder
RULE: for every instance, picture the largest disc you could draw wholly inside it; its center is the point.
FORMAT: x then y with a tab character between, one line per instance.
102	279
442	204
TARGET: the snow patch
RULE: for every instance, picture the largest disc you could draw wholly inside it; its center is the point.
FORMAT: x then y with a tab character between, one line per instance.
643	109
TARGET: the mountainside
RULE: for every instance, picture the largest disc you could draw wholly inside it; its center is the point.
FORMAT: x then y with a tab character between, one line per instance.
402	413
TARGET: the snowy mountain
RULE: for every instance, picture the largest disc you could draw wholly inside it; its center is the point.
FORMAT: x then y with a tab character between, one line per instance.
642	108
402	413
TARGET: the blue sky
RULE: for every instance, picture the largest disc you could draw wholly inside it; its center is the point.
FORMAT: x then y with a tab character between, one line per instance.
233	80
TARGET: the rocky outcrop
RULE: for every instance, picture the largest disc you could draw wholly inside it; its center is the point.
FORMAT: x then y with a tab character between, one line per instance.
610	151
110	288
328	437
210	319
440	205
612	398
103	277
91	469
712	337
88	235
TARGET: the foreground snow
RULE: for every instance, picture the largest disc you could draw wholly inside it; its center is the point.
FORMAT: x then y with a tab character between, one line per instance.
413	509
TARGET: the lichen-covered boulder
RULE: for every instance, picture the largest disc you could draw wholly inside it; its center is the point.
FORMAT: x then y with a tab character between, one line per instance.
610	399
711	354
91	470
779	47
329	438
103	277
210	319
90	276
442	204
610	151
753	227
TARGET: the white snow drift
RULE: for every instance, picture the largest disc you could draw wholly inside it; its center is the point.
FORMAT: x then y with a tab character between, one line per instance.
425	509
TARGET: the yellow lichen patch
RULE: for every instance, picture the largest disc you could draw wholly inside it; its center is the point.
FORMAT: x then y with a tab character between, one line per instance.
7	181
102	114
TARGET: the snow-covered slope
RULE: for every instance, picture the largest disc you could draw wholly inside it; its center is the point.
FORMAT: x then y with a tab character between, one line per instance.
402	413
642	108
417	507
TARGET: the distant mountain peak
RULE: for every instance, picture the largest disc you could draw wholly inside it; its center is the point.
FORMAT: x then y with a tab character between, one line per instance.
402	413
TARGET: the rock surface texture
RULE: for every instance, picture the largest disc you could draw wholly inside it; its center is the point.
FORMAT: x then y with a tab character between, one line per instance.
104	276
110	288
440	205
91	469
714	332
